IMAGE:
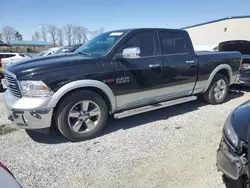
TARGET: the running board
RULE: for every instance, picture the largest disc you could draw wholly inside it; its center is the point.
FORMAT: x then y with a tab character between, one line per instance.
153	107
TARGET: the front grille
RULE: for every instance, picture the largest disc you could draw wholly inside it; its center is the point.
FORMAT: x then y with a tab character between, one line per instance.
12	85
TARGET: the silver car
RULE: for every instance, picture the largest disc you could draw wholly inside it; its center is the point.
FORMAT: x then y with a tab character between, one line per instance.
7	179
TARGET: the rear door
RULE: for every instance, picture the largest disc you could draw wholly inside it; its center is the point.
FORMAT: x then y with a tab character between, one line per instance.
138	81
180	65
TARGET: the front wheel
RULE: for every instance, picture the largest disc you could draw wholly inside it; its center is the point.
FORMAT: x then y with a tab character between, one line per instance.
81	115
1	87
240	183
218	89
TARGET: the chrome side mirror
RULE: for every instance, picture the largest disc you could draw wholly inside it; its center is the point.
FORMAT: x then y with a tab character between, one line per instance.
131	53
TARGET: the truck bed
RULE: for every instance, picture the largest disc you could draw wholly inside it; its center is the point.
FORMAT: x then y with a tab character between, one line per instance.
199	53
209	61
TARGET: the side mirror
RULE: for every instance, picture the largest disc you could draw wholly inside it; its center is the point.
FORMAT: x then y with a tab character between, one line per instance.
128	53
131	53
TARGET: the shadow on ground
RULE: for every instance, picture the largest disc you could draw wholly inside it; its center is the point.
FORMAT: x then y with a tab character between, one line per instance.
138	120
2	90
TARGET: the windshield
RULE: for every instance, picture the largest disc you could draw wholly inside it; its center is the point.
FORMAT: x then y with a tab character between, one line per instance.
100	44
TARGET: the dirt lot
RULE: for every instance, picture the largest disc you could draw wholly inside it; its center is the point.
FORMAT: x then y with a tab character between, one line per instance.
172	147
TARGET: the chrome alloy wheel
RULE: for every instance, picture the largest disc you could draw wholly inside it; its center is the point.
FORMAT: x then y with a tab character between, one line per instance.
84	116
220	89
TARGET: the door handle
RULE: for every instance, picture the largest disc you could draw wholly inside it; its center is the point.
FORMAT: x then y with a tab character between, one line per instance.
190	62
154	65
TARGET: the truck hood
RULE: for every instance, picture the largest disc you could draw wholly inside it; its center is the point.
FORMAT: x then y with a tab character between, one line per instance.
240	120
50	63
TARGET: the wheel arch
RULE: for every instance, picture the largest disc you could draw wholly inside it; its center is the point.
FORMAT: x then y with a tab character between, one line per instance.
102	89
223	69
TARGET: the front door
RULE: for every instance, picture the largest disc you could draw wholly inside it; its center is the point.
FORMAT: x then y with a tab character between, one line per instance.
138	81
179	63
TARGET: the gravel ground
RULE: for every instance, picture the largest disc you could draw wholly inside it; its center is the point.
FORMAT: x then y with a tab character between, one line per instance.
172	147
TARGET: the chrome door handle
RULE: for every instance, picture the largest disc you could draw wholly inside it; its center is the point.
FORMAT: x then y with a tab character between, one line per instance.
154	65
190	62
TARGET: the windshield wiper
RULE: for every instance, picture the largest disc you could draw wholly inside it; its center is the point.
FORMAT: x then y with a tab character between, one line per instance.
84	53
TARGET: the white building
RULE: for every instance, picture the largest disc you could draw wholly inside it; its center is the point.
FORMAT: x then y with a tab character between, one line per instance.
210	34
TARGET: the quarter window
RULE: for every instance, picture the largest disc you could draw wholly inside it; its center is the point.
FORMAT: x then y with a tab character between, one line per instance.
145	41
173	43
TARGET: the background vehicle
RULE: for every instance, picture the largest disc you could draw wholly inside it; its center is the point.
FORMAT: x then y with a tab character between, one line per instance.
67	49
49	51
233	152
205	47
243	47
123	73
7	179
9	58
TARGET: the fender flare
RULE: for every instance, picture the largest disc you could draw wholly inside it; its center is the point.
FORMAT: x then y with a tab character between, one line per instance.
216	70
81	84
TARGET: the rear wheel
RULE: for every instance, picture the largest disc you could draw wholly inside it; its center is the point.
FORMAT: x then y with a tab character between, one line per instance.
81	115
218	90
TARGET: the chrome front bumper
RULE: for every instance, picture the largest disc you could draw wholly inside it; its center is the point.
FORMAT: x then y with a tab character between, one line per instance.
28	113
231	164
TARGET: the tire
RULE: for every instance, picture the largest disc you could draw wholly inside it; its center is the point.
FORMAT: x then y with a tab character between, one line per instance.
210	95
230	183
1	87
78	107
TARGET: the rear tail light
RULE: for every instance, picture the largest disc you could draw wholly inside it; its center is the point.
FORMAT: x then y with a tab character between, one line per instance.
5	168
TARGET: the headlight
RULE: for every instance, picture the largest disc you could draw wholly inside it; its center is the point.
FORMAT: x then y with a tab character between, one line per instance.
230	134
35	89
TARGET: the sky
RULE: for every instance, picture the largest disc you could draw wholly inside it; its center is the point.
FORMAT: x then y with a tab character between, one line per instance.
27	15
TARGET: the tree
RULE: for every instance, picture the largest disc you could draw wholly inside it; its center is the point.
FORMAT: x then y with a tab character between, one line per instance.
43	32
97	32
85	38
52	30
60	36
18	36
8	33
79	34
83	32
36	36
68	29
74	34
101	30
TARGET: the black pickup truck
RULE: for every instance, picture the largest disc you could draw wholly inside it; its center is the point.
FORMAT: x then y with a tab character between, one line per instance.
123	72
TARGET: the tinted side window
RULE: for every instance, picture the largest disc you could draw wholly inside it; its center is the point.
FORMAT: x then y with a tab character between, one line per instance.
173	43
145	41
9	55
22	55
